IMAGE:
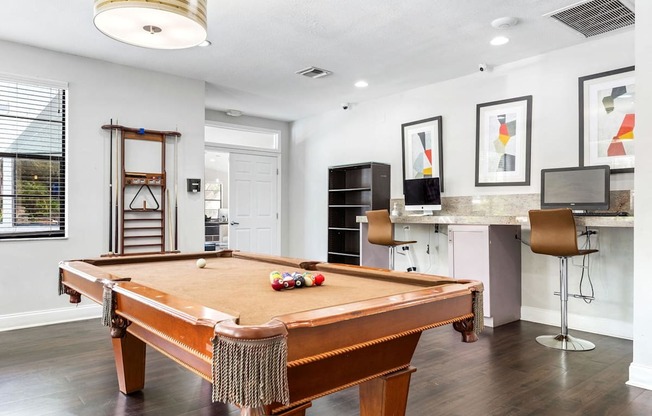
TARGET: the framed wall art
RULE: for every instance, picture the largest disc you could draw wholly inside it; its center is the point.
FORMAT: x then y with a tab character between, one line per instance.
502	151
422	149
607	119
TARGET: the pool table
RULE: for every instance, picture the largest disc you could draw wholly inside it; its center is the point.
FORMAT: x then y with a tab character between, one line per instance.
266	351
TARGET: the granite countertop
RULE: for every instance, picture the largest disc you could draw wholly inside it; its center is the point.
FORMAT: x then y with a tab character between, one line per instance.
522	220
509	209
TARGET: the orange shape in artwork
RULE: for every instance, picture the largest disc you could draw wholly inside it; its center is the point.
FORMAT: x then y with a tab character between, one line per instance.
428	154
616	148
503	134
427	172
626	130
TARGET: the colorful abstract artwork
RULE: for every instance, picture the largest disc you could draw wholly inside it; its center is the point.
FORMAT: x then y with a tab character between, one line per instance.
422	149
608	119
506	130
503	142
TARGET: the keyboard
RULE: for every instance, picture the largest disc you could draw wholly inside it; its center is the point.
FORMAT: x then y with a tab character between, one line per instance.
601	214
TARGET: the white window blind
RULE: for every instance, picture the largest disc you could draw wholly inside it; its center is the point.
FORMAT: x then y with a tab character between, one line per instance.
32	160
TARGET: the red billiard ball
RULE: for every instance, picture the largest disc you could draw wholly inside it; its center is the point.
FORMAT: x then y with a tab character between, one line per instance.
319	279
288	283
277	284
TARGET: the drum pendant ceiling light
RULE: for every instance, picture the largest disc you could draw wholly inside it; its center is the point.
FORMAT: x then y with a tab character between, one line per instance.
165	24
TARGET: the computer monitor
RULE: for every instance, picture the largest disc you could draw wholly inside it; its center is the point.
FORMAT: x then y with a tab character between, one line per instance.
422	195
578	188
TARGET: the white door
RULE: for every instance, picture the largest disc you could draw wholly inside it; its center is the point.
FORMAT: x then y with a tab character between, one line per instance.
253	203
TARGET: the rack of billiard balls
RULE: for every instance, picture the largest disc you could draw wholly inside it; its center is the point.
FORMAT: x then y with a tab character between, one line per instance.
287	280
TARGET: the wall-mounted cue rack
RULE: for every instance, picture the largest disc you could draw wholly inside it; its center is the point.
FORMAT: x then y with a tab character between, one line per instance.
139	207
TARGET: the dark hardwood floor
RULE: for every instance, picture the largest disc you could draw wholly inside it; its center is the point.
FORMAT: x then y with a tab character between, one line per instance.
68	369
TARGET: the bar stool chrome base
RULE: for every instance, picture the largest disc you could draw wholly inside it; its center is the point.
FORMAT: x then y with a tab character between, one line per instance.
565	342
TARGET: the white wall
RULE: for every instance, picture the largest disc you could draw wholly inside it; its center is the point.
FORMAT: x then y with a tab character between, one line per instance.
371	131
640	371
98	91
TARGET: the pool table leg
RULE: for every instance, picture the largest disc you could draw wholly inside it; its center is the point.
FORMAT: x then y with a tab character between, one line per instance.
129	354
466	328
386	395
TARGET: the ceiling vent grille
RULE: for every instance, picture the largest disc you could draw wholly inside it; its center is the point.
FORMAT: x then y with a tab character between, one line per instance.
314	72
595	17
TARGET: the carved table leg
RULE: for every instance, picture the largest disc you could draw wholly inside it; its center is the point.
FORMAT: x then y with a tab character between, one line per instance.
129	353
387	395
75	297
465	327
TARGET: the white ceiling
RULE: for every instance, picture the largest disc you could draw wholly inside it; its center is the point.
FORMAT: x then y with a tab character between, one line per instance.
258	45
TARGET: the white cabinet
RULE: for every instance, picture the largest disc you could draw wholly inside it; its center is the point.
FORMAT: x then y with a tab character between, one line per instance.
491	254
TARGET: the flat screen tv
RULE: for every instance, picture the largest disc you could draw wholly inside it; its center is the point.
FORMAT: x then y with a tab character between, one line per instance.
422	195
578	188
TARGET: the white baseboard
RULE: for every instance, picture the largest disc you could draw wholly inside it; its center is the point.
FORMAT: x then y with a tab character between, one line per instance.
49	317
640	376
602	326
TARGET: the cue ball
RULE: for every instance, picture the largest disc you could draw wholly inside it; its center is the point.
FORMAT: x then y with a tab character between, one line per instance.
201	263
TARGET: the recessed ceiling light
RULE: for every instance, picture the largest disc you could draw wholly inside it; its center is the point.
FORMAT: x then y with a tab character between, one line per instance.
234	113
361	84
205	43
499	40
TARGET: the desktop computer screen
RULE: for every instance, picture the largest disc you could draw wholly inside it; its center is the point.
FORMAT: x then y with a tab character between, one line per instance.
422	194
577	188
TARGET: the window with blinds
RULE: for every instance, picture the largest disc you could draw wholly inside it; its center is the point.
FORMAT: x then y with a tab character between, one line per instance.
32	160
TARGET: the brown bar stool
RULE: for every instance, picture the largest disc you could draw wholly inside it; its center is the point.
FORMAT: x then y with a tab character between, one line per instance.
553	233
381	232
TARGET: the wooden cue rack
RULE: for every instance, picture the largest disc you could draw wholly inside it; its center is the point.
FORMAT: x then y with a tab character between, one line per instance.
141	229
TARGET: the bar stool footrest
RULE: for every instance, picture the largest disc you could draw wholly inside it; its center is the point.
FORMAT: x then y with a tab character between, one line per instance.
573	295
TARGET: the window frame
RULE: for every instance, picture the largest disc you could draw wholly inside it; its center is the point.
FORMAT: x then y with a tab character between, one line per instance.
48	233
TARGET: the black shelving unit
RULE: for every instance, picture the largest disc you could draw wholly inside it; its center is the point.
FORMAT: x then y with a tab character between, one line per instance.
353	190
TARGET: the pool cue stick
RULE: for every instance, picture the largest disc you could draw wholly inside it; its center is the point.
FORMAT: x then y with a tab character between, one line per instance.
111	188
176	192
169	215
118	175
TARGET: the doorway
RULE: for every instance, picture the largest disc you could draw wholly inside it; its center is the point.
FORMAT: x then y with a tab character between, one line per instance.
242	189
216	199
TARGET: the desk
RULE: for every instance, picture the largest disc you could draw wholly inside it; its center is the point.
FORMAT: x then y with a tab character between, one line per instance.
376	256
522	220
360	328
507	300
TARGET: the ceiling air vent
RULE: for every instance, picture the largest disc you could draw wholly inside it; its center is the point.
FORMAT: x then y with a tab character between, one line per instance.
314	72
595	17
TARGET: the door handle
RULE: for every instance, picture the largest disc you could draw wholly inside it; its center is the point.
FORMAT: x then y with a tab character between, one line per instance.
235	223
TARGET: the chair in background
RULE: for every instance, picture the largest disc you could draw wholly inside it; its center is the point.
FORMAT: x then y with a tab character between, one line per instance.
553	233
381	232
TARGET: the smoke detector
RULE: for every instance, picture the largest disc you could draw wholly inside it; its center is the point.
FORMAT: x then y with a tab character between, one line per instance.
504	22
234	113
